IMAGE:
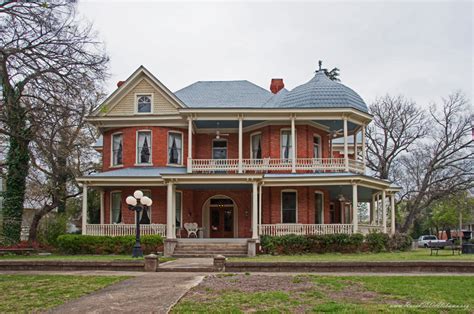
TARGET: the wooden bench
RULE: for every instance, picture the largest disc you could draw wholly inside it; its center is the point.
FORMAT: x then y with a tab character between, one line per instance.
436	246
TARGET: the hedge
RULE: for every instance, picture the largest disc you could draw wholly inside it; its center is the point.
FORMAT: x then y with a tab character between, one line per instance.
330	243
86	244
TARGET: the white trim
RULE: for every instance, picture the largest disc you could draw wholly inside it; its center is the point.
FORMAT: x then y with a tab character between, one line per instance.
168	145
251	143
111	205
137	163
138	95
322	214
320	146
281	205
112	150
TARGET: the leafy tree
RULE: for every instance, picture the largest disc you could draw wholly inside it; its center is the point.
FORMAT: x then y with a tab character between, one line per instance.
45	54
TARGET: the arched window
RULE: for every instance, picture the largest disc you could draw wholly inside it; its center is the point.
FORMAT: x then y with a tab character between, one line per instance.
144	104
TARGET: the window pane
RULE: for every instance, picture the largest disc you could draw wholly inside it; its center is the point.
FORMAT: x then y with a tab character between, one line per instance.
144	104
116	207
318	204
144	147
178	209
286	145
117	149
289	216
288	204
228	219
256	146
174	148
317	147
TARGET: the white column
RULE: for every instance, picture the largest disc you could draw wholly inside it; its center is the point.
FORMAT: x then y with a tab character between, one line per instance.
363	146
169	211
190	144
84	208
102	207
372	210
355	217
355	144
260	204
174	210
240	144
254	210
392	214
384	212
293	145
346	153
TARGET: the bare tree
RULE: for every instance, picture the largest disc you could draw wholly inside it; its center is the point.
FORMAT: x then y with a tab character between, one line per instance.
442	165
46	53
398	123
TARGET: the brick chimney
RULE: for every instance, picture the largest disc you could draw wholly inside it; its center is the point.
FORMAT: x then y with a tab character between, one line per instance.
120	83
276	85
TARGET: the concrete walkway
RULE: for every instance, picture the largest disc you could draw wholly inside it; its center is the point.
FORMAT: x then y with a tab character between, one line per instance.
147	293
190	264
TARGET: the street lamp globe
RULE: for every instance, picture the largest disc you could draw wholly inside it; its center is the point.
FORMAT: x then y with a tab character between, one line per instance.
145	200
138	194
130	200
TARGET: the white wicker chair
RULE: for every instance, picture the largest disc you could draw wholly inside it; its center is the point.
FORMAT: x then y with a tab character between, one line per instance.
191	228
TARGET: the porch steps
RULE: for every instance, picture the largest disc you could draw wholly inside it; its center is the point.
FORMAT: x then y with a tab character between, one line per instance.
210	248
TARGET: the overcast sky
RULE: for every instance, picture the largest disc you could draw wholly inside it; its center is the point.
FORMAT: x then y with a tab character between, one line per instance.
423	50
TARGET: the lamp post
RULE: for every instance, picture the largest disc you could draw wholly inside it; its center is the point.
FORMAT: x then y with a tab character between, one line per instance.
138	202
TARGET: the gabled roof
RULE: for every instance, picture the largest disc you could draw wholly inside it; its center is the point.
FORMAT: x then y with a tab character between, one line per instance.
218	94
120	91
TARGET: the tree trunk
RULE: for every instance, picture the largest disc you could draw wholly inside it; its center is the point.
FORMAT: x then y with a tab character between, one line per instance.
34	227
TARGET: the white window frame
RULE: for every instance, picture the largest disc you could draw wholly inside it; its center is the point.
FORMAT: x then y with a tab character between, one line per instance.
149	212
322	198
138	95
281	205
293	145
112	150
167	149
181	215
111	201
226	145
137	155
251	143
320	149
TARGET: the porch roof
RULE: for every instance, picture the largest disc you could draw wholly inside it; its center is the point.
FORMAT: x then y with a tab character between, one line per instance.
137	172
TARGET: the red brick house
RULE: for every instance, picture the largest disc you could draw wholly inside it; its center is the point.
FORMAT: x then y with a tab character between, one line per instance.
237	159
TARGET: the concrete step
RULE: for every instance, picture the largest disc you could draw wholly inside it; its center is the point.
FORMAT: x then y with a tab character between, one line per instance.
203	248
197	254
209	252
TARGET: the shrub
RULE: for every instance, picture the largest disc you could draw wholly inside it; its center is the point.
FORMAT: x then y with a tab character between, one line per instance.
377	241
85	244
400	242
50	228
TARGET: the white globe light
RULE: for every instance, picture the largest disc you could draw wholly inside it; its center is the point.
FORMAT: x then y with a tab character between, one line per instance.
150	202
138	194
130	200
145	200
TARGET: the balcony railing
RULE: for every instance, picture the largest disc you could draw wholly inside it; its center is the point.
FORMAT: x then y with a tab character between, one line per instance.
114	230
275	164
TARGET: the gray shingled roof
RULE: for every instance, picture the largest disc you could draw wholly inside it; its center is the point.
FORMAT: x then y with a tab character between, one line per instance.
321	92
138	172
217	94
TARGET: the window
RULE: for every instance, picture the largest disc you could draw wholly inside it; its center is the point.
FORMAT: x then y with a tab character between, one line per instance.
117	149
144	104
144	147
116	207
145	215
288	207
317	146
332	213
219	149
286	144
179	209
175	148
319	207
256	146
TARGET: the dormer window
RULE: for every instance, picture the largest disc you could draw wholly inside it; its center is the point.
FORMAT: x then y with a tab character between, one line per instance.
144	103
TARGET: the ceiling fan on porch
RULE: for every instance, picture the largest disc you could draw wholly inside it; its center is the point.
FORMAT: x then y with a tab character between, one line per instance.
336	133
219	134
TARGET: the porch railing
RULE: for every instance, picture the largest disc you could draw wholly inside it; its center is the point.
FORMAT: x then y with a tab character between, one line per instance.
304	229
114	230
275	164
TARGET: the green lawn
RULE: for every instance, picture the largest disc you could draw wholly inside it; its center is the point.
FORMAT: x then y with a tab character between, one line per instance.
310	293
33	293
100	258
416	255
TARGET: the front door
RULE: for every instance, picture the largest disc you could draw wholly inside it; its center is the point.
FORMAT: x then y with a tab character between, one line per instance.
221	218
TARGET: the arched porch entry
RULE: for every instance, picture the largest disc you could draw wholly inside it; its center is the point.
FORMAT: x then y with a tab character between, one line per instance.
220	217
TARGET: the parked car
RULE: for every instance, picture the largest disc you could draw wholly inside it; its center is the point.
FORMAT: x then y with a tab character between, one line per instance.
424	240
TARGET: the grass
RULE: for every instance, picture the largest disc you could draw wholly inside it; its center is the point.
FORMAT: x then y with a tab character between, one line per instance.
97	258
33	293
415	255
359	294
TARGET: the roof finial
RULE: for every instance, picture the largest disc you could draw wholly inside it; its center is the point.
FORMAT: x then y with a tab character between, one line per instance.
320	64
